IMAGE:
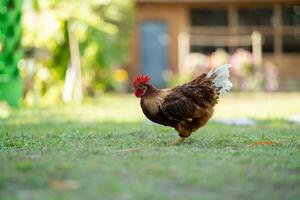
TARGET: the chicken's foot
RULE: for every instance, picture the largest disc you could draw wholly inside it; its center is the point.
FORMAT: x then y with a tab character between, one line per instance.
178	140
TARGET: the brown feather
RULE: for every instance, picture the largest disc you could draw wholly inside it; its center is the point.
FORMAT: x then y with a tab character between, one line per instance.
186	108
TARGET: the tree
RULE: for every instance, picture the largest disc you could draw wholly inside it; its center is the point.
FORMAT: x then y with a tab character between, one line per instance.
102	29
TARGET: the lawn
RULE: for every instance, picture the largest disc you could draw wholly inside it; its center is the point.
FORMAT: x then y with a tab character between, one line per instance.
105	149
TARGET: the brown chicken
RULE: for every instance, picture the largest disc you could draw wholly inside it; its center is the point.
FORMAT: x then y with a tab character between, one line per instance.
186	107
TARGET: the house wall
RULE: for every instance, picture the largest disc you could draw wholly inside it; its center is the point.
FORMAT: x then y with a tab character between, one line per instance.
288	66
176	15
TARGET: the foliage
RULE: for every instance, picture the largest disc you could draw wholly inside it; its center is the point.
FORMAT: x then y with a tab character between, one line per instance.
244	74
10	36
10	51
102	29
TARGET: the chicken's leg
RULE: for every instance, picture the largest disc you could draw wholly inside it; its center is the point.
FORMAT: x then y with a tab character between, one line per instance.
179	140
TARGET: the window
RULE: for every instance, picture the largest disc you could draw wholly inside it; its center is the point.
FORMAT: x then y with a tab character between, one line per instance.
255	16
291	15
259	19
291	43
291	39
209	17
268	44
215	22
207	49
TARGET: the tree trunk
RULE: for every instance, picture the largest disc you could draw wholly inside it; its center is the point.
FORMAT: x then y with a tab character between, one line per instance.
73	83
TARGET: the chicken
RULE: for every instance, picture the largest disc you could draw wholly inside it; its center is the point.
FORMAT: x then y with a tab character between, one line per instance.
186	107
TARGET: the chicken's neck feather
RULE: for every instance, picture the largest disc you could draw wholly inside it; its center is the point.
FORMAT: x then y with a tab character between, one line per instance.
154	98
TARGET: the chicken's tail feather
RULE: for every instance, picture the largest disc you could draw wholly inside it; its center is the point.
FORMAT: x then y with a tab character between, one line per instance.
220	78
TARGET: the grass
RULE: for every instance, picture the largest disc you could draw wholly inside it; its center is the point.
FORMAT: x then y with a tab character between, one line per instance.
106	150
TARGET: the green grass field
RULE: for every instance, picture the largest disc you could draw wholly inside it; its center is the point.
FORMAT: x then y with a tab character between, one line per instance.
105	149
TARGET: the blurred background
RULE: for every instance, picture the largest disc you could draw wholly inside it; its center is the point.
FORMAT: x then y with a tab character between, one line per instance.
70	127
54	51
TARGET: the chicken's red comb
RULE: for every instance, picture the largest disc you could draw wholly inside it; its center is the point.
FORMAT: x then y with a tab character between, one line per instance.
141	79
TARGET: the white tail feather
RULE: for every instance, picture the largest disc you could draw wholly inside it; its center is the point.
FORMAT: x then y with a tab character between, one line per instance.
220	78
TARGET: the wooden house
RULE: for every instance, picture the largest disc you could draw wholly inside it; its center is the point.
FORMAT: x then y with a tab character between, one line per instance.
167	31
